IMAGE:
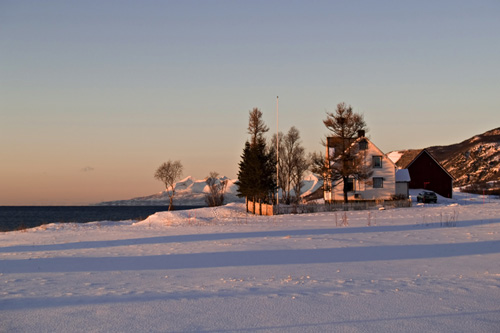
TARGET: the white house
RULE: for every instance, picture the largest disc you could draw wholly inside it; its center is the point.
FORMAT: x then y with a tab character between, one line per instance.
380	183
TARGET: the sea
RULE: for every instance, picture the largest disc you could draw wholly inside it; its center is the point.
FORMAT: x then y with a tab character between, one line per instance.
22	217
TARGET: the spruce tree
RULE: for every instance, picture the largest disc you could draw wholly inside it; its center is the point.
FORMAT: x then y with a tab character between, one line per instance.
244	183
256	168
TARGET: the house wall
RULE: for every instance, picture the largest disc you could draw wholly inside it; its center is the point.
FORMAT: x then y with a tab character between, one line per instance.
402	189
388	173
363	190
425	173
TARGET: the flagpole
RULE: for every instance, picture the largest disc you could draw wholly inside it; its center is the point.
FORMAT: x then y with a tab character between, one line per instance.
277	156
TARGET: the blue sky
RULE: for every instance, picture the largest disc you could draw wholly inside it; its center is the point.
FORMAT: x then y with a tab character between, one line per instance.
95	95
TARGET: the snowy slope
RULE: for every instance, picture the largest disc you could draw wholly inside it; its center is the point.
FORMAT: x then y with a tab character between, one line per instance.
429	268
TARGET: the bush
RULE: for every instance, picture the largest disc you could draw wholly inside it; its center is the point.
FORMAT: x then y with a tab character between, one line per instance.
399	197
217	189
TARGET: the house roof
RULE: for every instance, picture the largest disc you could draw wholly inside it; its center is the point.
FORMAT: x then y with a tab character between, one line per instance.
375	146
407	157
425	151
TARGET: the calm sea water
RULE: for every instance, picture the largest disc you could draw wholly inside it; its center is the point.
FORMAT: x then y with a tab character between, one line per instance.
15	217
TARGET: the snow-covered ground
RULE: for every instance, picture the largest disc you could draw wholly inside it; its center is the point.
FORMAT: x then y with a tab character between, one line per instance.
429	268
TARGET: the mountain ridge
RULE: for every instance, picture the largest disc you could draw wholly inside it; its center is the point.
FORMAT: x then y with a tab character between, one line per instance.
192	192
473	161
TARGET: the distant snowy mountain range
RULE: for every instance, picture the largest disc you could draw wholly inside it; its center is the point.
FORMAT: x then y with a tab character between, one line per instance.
191	192
472	161
475	160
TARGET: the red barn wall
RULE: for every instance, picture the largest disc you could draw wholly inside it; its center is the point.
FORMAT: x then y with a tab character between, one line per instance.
426	173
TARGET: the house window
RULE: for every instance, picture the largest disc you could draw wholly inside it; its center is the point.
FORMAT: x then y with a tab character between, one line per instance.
377	161
363	145
378	182
350	184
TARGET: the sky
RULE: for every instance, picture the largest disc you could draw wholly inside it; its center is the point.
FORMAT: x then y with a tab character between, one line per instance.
95	95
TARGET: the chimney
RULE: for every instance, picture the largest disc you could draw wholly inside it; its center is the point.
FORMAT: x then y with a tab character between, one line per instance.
361	133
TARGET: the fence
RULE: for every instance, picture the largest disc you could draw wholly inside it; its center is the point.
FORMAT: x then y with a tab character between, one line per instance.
265	209
341	206
259	208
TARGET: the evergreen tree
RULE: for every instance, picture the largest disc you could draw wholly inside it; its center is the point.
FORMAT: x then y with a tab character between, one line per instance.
244	182
256	179
256	168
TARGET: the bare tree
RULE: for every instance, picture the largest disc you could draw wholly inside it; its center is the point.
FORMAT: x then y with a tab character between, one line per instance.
319	167
169	173
292	164
256	126
301	165
296	161
345	163
281	182
216	190
344	123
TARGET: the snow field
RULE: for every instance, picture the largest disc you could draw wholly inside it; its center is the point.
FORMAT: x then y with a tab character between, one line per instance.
428	268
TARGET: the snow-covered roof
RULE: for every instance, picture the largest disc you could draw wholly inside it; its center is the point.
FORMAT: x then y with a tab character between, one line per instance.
402	176
394	156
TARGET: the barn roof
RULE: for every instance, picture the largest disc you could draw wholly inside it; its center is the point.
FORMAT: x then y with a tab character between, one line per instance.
425	151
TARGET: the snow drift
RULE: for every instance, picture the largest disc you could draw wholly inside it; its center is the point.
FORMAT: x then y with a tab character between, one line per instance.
420	269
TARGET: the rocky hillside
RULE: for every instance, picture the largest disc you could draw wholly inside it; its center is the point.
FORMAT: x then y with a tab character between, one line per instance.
473	161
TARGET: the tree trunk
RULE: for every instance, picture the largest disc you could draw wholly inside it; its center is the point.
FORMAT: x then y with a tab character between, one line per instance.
171	204
345	190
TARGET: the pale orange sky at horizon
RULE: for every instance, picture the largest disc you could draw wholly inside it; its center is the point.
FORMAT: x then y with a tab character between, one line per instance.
94	96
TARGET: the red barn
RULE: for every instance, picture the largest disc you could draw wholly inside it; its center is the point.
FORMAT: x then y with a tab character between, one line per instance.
427	173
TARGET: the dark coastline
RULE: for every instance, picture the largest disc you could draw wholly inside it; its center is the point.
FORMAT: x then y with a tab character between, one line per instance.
22	217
